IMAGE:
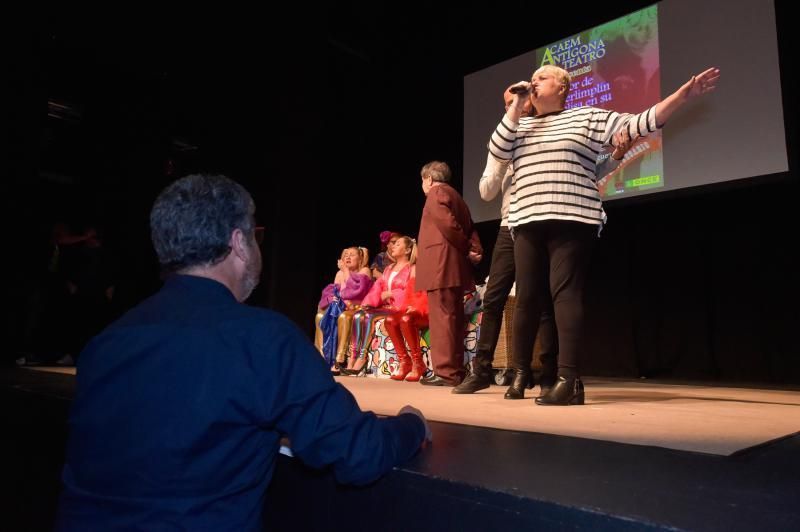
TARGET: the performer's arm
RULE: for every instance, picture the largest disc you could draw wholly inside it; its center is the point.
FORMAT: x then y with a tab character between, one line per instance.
491	182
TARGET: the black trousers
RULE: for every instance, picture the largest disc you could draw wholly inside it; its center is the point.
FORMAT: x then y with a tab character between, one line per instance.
552	260
501	279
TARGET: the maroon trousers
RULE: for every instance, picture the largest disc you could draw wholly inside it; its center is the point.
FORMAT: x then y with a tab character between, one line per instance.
446	315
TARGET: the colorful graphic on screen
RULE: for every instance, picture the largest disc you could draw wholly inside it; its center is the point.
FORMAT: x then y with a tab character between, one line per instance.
615	66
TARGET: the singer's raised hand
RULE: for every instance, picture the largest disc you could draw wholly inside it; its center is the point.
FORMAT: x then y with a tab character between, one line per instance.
702	83
522	87
521	94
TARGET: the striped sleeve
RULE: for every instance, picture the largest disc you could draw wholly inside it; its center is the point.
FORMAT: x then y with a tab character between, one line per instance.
638	125
491	182
501	145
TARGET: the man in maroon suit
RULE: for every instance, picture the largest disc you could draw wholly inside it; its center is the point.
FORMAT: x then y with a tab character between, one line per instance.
448	243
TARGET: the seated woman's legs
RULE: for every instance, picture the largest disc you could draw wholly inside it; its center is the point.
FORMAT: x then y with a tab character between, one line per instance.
410	325
359	325
366	335
393	328
361	338
318	331
345	325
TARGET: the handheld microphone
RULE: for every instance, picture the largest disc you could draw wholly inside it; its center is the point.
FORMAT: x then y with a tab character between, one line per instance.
517	90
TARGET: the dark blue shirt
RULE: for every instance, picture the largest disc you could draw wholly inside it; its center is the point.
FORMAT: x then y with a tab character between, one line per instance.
180	406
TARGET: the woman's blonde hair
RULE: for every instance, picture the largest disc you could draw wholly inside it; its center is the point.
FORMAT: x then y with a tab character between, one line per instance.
561	75
363	254
411	245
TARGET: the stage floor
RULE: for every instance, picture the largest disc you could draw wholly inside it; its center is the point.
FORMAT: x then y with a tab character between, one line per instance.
538	477
705	419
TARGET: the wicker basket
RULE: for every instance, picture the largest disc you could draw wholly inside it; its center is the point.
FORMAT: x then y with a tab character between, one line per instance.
502	353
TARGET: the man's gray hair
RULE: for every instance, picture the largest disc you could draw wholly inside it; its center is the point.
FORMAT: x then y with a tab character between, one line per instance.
192	220
438	171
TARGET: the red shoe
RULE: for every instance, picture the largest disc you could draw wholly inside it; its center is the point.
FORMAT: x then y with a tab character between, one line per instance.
403	368
419	369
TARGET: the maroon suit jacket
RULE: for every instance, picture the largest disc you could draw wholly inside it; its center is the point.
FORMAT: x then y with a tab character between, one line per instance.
446	236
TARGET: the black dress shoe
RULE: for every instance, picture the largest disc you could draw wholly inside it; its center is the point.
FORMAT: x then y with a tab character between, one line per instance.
518	385
436	380
474	383
353	372
545	384
564	392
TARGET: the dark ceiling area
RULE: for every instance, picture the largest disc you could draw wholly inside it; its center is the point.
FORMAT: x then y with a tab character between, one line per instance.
107	108
98	97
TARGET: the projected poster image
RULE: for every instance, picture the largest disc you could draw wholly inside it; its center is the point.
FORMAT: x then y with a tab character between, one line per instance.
627	65
615	66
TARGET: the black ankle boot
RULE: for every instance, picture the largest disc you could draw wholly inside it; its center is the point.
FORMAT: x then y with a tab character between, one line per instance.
564	392
518	385
546	384
474	382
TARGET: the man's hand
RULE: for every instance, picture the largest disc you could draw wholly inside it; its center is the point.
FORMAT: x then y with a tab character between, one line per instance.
408	409
474	257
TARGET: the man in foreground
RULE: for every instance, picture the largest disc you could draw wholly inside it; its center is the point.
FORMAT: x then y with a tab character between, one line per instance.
181	404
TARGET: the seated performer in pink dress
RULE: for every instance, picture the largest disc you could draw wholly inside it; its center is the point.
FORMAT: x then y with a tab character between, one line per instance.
386	297
404	328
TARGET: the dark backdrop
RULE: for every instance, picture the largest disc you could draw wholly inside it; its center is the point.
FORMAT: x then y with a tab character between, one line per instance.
327	117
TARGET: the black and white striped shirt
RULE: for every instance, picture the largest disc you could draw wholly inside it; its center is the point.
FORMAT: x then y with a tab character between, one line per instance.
555	157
